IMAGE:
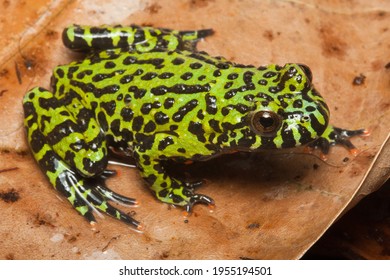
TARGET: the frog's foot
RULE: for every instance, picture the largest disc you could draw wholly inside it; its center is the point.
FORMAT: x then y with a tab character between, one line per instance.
190	38
198	198
337	136
183	194
195	198
88	195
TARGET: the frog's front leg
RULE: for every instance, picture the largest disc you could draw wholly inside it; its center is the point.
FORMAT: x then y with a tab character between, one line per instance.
166	188
72	155
337	136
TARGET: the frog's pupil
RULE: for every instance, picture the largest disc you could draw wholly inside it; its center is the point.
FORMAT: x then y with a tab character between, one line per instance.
266	121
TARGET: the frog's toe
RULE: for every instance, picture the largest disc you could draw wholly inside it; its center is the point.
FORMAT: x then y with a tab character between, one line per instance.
198	198
111	195
108	174
193	185
98	195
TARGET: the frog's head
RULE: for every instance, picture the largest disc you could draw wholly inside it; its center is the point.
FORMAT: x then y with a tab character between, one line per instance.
290	114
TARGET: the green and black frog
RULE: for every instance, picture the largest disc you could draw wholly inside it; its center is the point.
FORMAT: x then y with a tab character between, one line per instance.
148	93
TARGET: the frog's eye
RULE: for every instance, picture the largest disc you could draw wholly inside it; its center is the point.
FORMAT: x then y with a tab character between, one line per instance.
265	123
307	71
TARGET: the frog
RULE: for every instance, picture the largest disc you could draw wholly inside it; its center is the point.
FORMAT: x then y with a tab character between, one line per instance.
150	95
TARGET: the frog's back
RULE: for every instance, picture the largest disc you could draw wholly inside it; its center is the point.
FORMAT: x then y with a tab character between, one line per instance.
173	82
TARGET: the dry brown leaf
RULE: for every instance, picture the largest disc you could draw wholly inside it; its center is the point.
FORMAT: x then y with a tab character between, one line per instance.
269	205
362	233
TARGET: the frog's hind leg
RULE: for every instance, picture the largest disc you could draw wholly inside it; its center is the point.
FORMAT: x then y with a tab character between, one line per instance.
46	125
142	39
87	195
